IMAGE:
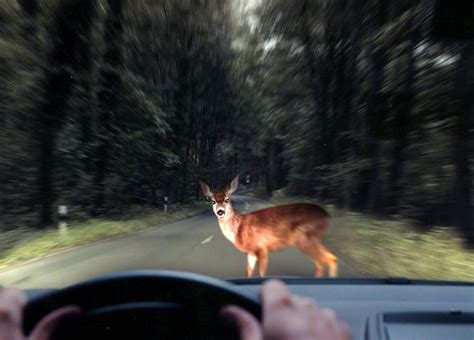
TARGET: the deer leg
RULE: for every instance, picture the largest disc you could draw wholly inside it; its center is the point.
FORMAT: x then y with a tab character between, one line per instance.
327	258
314	249
251	261
333	268
331	261
319	271
262	262
317	257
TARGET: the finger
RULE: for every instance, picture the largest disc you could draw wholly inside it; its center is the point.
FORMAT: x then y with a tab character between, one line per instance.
12	302
305	302
48	324
274	292
249	327
329	314
13	297
344	332
22	299
328	322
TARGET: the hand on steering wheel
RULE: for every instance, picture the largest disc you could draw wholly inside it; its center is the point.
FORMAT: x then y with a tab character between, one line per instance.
145	304
287	317
12	303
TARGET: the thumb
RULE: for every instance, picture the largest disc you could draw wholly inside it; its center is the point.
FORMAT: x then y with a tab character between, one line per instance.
249	327
46	327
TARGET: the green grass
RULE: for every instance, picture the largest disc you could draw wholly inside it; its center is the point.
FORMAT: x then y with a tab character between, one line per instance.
383	247
24	244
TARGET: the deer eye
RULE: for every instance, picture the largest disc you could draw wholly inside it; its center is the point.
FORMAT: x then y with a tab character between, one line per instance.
226	200
213	202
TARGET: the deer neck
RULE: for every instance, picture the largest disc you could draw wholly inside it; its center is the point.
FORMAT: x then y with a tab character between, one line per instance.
230	224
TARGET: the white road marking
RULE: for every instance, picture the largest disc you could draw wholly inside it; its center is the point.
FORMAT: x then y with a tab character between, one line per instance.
207	239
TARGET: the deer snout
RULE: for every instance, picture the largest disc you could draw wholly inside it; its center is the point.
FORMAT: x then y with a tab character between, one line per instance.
220	212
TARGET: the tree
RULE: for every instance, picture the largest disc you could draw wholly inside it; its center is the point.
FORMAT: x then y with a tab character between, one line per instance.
464	143
108	98
72	19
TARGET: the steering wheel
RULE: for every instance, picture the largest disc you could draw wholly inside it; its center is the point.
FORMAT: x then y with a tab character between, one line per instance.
143	305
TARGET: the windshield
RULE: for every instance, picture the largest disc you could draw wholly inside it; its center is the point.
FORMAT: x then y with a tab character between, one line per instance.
125	122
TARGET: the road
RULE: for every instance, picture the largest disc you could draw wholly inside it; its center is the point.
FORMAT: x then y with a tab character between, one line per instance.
194	245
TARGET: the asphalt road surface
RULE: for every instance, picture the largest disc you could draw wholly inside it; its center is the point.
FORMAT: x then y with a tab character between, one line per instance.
195	244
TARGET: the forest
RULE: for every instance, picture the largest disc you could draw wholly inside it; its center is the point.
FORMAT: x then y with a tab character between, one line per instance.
107	104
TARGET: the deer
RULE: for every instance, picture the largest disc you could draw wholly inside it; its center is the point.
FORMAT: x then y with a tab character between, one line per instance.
260	232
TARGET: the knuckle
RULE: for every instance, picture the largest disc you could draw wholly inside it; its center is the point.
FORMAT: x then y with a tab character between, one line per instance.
13	296
285	300
329	314
307	303
22	300
272	284
6	314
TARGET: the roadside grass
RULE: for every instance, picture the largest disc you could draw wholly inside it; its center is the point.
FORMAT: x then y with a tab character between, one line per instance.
377	247
24	244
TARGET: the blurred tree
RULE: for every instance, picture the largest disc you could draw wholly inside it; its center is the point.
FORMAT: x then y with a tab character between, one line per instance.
31	9
72	19
110	91
464	128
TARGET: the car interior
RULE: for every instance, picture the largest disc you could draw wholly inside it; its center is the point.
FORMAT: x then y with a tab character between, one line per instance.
168	304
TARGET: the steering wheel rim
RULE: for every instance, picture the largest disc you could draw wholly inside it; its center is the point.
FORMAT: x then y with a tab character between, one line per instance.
203	295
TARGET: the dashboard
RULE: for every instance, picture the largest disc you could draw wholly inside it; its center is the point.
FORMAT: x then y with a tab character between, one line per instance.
391	309
385	309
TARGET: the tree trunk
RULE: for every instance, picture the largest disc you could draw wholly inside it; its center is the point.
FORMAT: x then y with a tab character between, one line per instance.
45	178
404	104
31	9
320	142
270	167
374	120
108	98
464	210
73	20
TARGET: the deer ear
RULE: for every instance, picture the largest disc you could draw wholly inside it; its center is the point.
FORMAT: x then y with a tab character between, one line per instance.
205	189
233	185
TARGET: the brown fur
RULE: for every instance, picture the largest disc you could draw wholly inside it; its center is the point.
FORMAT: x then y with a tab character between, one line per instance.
275	222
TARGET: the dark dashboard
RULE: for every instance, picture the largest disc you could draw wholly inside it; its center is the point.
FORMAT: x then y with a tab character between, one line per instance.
386	308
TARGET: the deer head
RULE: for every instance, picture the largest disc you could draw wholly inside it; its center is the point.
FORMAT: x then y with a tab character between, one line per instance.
220	199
